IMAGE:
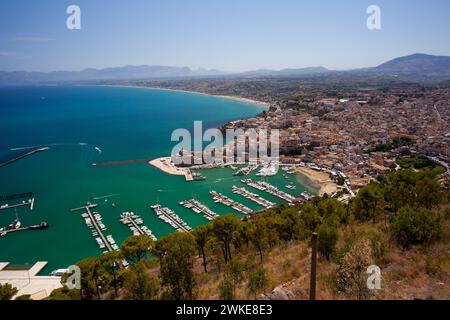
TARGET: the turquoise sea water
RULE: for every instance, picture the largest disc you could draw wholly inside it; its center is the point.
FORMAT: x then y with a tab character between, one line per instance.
86	124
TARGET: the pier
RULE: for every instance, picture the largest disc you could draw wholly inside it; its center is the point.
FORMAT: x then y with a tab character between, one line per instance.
99	231
134	222
199	207
106	240
264	186
253	197
41	226
171	218
23	156
220	198
30	203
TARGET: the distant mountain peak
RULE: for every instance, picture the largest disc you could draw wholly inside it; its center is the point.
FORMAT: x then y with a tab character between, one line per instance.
419	63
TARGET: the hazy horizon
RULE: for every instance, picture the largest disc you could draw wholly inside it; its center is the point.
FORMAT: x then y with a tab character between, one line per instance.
231	36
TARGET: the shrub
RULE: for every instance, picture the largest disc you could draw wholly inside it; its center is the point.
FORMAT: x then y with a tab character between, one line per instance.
351	274
7	291
415	226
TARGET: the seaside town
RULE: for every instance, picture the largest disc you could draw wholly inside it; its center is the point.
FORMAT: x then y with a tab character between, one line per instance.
362	137
336	144
350	138
219	150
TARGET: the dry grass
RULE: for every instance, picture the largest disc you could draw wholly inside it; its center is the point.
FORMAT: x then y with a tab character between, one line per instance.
417	273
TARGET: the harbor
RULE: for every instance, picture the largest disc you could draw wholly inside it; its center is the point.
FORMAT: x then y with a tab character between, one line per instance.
64	178
170	217
94	222
253	197
199	207
266	187
220	198
135	223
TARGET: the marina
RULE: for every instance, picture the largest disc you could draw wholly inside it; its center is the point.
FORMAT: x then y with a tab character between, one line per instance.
220	198
306	195
94	222
170	217
135	223
253	197
63	178
245	171
268	170
266	187
199	207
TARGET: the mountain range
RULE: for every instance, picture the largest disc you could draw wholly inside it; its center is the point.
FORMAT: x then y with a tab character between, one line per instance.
416	65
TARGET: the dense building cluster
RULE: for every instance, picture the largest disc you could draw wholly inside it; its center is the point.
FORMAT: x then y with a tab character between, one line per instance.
356	125
362	135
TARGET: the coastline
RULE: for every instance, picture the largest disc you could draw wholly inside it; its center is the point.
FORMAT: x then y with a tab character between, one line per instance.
264	105
317	180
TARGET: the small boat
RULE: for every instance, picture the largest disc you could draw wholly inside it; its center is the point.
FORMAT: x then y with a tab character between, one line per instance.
42	225
14	225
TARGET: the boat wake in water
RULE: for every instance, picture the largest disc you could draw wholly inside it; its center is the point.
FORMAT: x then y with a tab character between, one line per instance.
49	145
165	191
83	144
108	196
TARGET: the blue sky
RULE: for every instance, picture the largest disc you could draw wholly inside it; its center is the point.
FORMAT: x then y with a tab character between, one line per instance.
231	35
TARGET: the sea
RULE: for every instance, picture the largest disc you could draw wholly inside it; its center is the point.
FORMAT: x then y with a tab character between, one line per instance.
83	125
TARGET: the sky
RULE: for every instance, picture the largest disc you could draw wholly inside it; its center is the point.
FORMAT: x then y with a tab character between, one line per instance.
230	35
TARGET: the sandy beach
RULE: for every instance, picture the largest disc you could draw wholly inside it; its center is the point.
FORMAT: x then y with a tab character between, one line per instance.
319	180
265	105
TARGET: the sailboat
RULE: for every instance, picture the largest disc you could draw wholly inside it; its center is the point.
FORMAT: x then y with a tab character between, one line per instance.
16	223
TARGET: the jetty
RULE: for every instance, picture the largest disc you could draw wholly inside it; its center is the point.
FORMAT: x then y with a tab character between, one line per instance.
135	223
27	154
220	198
29	203
170	217
121	162
253	197
41	226
93	221
199	207
266	187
